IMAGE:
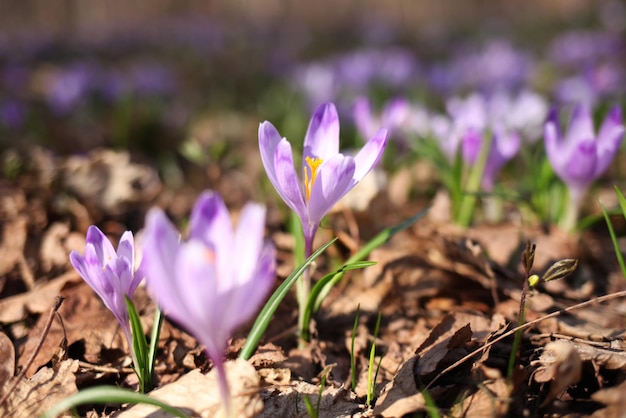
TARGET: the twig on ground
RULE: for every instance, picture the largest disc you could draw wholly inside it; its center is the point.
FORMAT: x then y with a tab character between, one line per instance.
57	304
524	326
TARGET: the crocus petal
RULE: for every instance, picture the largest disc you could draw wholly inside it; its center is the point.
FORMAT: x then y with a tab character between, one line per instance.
580	126
553	145
161	244
471	144
582	162
609	139
104	248
322	136
249	295
198	284
335	178
288	182
395	113
369	155
268	142
248	241
210	223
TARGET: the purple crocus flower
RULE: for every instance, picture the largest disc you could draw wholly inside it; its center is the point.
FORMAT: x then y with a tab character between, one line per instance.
109	273
579	157
400	117
214	281
471	121
327	175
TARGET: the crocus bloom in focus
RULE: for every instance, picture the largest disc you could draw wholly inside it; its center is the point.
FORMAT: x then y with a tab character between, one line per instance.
214	281
109	273
579	157
327	175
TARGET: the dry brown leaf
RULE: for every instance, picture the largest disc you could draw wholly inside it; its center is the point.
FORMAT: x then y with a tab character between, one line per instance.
289	402
559	364
491	399
400	396
37	300
614	399
85	318
7	360
108	181
200	394
14	233
32	397
52	252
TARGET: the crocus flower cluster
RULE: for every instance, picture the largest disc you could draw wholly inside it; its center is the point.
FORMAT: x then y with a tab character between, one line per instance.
109	273
469	124
580	156
216	279
327	175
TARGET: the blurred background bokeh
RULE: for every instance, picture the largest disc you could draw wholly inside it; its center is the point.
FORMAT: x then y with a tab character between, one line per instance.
185	80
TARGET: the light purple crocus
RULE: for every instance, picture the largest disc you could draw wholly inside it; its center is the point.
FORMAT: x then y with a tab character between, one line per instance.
327	175
400	117
470	123
580	156
215	280
109	273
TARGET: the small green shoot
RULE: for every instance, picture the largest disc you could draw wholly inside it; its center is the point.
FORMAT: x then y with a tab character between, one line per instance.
371	377
431	407
319	287
109	395
314	412
618	252
143	354
264	317
352	355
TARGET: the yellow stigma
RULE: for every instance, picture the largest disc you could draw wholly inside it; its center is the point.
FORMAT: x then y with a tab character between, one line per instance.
313	164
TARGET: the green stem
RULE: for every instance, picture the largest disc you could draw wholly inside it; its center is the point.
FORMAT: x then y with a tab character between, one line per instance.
472	187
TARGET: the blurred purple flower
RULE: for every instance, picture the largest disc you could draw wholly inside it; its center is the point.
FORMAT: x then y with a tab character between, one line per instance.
580	47
344	76
580	156
110	274
327	174
152	79
402	119
12	114
470	123
497	65
215	281
596	82
68	87
524	113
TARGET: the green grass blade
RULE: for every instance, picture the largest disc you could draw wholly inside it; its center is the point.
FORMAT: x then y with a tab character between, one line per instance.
262	321
140	347
319	287
154	340
371	383
109	395
622	200
352	356
618	253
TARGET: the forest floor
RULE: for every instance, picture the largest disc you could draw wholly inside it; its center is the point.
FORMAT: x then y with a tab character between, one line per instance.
444	294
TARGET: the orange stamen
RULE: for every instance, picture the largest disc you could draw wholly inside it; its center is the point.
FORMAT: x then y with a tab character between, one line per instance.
313	164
